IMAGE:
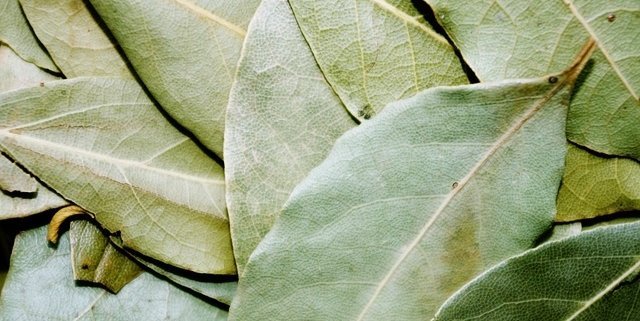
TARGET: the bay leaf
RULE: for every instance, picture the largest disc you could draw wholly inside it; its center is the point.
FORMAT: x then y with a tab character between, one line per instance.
14	206
282	119
185	54
373	52
595	185
94	259
40	286
16	73
75	40
14	180
411	205
591	276
515	38
101	143
17	34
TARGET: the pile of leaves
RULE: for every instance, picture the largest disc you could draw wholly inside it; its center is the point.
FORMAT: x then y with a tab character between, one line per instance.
321	160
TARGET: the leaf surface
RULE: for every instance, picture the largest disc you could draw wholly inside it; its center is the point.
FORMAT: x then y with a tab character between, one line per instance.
594	185
14	180
16	32
74	38
44	274
16	73
101	143
94	259
413	204
282	119
537	37
185	54
373	52
592	276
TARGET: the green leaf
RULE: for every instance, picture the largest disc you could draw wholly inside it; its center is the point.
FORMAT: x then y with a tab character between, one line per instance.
185	54
74	38
13	206
16	32
282	119
44	275
94	259
373	52
101	143
16	73
538	37
591	276
14	180
411	205
595	185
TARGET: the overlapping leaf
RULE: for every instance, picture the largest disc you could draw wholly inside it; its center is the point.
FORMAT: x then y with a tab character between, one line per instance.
16	73
15	32
185	54
413	204
373	52
282	119
538	37
592	276
45	275
77	43
101	143
594	185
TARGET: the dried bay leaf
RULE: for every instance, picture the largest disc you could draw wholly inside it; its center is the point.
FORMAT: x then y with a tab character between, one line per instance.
413	204
185	54
101	143
591	276
16	73
44	273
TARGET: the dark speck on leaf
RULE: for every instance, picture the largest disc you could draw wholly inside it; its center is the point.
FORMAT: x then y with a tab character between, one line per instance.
454	185
41	84
85	266
366	112
553	79
611	17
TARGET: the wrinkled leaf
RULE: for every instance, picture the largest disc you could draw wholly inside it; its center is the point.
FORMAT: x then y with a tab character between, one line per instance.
16	32
102	144
592	276
14	180
374	52
94	259
45	275
16	73
26	205
594	185
185	54
538	37
282	119
413	204
74	38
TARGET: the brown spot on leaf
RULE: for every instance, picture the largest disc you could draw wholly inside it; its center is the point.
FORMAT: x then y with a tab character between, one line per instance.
611	17
454	185
553	79
85	266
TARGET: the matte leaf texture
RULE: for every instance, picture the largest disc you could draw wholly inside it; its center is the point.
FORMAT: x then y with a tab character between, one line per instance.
411	205
594	185
95	260
16	32
45	274
14	206
77	42
282	119
592	276
16	73
101	143
15	180
374	52
185	54
537	37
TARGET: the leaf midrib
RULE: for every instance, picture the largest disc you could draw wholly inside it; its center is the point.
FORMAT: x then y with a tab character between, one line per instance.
211	16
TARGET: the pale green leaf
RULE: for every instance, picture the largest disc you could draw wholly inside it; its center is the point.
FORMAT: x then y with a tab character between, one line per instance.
16	73
561	231
595	185
282	119
74	38
219	288
373	52
14	180
413	204
40	286
514	38
185	54
591	276
95	259
13	206
16	32
101	143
